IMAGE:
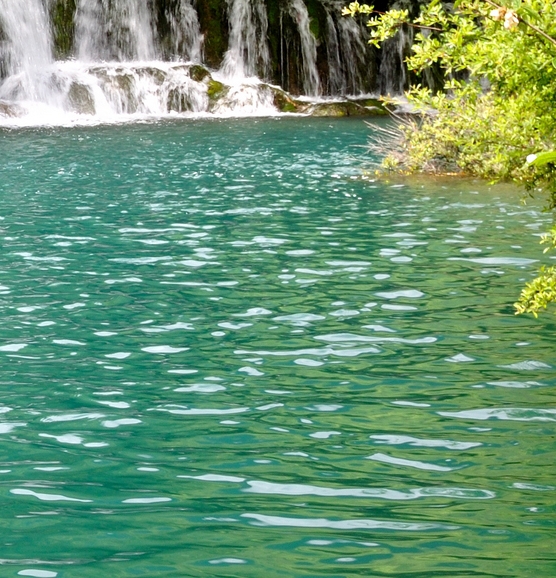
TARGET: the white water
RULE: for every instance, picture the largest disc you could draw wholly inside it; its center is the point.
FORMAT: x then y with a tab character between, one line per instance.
393	76
310	77
248	53
186	34
27	51
114	30
347	50
117	72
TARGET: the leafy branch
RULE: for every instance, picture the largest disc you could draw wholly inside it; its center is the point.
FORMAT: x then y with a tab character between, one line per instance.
385	24
503	10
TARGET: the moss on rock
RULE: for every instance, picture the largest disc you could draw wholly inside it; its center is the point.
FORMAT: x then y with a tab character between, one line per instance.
62	14
214	26
199	73
341	109
283	101
215	89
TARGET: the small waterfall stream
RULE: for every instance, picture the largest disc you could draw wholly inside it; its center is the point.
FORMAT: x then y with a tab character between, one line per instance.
347	49
27	50
393	76
310	77
248	53
114	30
131	57
185	32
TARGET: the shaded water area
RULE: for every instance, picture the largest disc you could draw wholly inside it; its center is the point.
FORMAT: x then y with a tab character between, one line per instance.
223	353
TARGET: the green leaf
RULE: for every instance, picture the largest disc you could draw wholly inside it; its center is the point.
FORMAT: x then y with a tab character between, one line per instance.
542	159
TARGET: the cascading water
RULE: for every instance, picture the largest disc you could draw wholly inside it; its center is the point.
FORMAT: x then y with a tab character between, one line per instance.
185	32
27	50
347	51
248	53
114	30
137	57
310	77
392	73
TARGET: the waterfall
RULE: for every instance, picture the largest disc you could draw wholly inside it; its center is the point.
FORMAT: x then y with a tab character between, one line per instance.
310	76
347	52
185	33
114	30
392	71
248	53
147	57
27	50
336	77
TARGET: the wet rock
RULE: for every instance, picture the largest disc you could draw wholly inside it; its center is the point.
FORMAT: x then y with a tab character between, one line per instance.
10	109
341	109
199	73
178	101
216	90
159	76
80	99
373	105
283	101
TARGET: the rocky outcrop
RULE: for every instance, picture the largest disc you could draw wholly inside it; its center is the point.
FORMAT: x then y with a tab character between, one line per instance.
184	88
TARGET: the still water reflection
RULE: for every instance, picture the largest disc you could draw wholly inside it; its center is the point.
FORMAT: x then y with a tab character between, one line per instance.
226	354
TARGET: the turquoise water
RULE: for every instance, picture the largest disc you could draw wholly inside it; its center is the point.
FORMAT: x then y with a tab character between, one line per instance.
225	354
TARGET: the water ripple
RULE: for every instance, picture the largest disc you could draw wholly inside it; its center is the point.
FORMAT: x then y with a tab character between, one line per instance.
358	524
225	330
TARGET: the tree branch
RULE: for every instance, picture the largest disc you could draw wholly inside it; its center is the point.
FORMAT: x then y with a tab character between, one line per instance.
527	23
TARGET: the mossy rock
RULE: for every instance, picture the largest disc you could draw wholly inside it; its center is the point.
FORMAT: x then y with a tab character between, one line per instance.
317	19
341	109
199	73
63	26
283	101
213	20
216	90
335	109
373	105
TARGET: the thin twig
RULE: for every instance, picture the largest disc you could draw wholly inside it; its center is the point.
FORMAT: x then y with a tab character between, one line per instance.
527	23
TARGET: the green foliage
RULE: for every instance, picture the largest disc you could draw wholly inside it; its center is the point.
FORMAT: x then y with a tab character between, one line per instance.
499	99
538	294
542	290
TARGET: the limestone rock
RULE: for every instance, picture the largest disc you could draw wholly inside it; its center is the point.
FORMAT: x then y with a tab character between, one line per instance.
80	99
10	109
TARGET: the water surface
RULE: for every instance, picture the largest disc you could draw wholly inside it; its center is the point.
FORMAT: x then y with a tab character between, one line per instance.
224	353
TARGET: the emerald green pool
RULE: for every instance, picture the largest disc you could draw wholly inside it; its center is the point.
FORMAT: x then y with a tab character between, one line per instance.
224	353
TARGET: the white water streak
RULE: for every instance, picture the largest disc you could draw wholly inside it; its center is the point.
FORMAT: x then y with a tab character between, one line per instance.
119	30
185	32
27	49
346	46
310	77
248	54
